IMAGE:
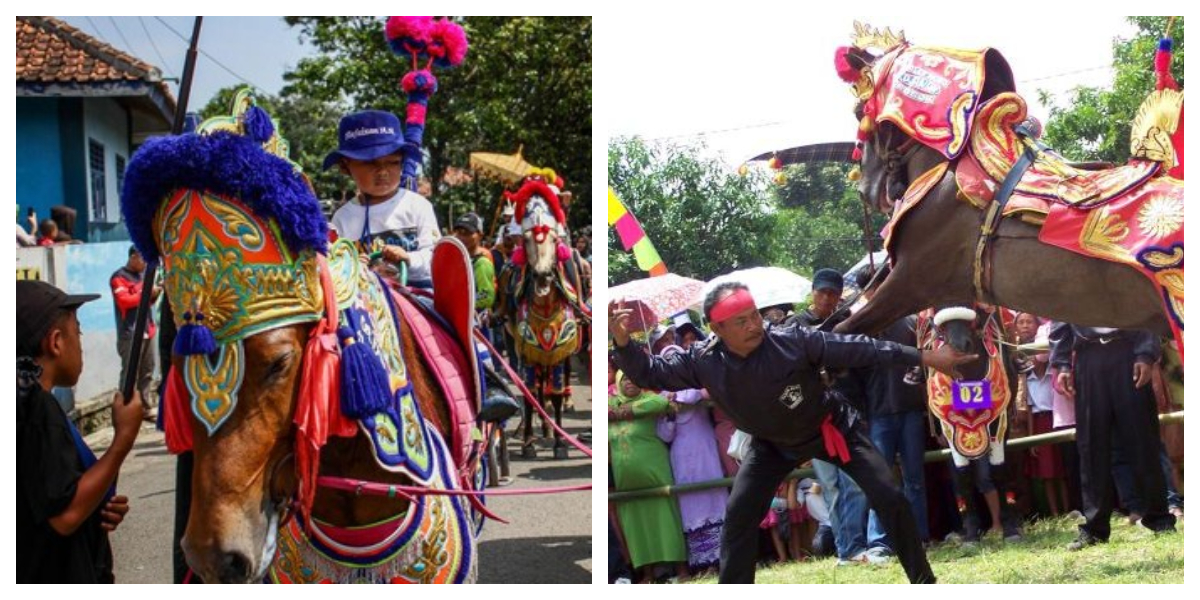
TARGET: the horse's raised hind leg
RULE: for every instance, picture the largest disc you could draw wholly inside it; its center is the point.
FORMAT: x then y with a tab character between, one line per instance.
560	447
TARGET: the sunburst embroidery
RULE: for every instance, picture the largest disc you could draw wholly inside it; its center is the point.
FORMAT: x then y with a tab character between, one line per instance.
1160	217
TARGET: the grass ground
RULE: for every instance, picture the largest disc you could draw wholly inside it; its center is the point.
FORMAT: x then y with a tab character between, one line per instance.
1132	555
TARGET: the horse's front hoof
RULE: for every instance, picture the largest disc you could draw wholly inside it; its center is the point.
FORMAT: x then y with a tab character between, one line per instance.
528	451
560	452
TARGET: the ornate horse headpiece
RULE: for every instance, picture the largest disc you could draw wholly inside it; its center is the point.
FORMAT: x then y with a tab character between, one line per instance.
441	43
540	184
931	94
237	228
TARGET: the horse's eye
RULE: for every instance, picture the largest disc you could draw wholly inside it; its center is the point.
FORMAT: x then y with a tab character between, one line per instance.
277	368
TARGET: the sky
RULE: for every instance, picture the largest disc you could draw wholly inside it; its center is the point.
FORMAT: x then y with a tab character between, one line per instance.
747	83
232	50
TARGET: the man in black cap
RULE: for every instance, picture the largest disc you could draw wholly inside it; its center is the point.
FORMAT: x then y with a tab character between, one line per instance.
826	294
65	501
468	228
767	379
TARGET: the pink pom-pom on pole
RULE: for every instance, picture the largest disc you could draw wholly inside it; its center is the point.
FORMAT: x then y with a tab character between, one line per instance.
414	28
449	45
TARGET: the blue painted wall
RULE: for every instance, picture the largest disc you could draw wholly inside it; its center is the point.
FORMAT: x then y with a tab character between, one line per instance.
39	156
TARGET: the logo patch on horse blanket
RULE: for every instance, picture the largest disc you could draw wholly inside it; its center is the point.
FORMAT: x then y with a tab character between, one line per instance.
932	93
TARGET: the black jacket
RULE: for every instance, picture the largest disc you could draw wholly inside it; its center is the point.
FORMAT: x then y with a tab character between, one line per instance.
881	390
774	394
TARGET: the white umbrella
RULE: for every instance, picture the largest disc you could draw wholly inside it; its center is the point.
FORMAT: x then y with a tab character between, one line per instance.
768	285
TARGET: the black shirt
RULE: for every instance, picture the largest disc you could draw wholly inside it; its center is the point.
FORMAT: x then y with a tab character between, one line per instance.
48	471
1067	338
774	394
881	390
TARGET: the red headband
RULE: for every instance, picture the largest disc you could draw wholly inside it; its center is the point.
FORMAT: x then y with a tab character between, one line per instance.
730	305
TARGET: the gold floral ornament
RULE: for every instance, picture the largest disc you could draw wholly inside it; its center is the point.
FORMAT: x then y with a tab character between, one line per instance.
1160	216
236	122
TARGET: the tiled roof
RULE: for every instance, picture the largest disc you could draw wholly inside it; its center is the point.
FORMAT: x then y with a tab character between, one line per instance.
51	51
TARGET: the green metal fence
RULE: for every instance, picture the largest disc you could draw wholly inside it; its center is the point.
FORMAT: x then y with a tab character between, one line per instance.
1053	437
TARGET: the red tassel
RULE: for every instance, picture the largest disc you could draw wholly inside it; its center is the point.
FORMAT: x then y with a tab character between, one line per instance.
177	425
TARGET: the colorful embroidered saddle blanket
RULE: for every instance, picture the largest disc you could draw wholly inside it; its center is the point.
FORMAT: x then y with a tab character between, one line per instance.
1131	215
371	310
433	542
971	432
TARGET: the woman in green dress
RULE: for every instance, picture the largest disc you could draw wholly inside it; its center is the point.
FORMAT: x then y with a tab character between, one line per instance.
652	527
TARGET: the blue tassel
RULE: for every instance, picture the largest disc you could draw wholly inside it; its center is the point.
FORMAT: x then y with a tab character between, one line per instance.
1165	44
366	390
194	337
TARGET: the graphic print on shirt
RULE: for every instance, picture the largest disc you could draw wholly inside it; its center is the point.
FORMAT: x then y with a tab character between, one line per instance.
405	238
792	396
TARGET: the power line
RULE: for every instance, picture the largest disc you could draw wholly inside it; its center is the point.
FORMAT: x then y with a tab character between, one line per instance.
162	61
210	57
128	46
715	131
1057	75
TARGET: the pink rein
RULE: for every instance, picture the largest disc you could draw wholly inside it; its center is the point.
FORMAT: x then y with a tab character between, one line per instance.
409	492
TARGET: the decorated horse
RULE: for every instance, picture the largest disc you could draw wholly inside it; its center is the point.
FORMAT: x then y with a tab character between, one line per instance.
539	296
982	211
303	383
972	411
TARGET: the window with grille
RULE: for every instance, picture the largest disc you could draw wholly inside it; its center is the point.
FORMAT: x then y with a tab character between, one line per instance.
120	174
99	189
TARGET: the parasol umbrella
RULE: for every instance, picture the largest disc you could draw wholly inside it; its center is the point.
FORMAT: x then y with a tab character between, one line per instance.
768	285
510	169
656	298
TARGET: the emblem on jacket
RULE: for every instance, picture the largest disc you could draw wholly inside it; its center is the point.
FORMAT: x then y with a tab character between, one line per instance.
792	396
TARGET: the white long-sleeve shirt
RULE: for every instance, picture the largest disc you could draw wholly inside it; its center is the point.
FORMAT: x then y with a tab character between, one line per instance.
406	220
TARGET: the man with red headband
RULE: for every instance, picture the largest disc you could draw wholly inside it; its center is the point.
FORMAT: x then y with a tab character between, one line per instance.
768	379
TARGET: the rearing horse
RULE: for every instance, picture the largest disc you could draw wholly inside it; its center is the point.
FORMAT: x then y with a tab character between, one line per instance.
941	148
540	298
293	361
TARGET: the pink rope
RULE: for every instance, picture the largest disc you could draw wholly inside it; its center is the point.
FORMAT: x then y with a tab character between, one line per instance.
407	492
531	399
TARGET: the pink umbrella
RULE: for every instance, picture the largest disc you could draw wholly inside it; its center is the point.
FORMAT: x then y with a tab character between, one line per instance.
656	298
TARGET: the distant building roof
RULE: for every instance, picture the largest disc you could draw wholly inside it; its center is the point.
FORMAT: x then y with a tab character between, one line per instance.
56	59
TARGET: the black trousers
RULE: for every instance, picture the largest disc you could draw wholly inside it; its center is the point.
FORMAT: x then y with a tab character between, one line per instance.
765	468
1107	401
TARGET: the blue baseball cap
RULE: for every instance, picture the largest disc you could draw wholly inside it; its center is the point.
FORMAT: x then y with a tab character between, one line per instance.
367	135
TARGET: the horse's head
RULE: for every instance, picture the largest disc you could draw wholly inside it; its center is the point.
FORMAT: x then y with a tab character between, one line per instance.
541	218
961	328
915	106
237	232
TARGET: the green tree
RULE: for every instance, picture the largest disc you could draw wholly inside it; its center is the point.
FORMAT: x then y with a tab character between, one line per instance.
702	219
821	222
526	81
310	127
1094	124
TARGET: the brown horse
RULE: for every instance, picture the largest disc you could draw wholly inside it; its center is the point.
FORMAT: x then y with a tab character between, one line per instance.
538	296
293	361
933	247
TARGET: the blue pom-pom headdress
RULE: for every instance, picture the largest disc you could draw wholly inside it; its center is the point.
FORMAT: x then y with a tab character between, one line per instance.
234	224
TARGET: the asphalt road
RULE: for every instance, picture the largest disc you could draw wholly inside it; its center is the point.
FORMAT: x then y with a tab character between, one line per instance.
548	538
